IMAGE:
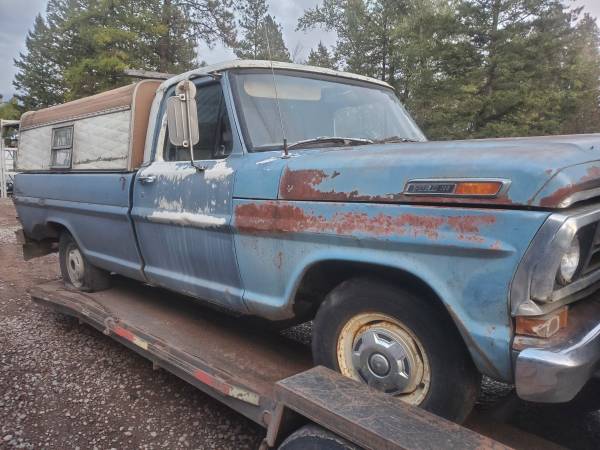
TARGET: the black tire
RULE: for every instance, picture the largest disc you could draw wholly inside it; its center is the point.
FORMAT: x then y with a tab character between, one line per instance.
453	384
313	437
86	277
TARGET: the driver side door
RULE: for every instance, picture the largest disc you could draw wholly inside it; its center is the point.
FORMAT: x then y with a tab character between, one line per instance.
182	215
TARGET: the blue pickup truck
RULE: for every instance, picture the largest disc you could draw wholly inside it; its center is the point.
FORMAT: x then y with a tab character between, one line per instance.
294	193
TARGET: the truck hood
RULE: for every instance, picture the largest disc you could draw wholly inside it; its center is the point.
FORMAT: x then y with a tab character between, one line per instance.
546	172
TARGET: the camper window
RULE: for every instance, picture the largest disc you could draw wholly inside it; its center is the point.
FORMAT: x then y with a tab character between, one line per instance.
62	147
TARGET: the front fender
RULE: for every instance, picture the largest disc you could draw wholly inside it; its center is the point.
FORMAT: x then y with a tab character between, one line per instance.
467	256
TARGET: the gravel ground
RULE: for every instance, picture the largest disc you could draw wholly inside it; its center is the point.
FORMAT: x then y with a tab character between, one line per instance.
67	386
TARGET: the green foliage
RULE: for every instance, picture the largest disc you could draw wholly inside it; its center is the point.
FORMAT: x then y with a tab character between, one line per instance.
259	32
474	68
320	57
38	80
83	46
9	110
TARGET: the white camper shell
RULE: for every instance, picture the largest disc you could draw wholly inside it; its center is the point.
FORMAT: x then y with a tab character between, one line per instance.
106	131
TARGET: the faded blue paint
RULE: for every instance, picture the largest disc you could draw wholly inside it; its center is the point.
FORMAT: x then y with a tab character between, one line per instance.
471	271
92	206
242	232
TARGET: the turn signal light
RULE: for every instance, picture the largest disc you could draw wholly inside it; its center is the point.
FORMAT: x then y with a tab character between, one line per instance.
542	326
478	188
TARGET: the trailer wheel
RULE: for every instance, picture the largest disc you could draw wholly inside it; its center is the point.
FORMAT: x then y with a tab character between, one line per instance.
397	343
313	437
76	270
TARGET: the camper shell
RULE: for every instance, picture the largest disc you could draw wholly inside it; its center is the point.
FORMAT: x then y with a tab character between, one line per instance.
73	136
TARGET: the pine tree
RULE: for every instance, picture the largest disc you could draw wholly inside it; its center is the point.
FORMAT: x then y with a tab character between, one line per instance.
260	31
83	46
38	81
581	110
320	57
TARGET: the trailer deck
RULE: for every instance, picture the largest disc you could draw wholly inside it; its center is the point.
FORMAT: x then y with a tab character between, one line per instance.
261	374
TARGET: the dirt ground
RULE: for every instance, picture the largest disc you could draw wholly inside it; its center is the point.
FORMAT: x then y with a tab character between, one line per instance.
66	386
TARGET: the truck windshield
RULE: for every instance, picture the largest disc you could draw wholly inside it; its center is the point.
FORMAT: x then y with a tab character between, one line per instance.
313	108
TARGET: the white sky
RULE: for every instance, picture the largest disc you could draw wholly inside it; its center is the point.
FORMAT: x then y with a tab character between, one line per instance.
17	16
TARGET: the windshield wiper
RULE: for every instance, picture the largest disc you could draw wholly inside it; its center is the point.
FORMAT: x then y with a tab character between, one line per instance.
331	139
394	140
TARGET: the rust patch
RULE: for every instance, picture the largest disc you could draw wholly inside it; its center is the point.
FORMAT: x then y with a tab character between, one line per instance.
467	227
274	217
304	185
589	181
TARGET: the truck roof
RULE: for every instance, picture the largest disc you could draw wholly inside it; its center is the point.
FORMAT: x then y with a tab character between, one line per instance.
264	64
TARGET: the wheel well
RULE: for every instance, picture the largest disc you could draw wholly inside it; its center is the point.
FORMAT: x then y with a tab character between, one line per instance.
322	277
54	230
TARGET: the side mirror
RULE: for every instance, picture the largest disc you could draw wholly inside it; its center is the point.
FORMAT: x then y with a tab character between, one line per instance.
182	116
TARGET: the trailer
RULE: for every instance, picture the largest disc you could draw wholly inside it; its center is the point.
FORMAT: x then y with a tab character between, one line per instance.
263	375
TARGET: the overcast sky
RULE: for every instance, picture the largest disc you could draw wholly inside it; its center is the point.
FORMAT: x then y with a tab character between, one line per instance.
16	18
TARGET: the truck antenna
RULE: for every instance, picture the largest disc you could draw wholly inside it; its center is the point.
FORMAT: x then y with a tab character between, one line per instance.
285	145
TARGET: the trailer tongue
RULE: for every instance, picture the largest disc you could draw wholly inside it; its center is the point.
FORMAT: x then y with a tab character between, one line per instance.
264	376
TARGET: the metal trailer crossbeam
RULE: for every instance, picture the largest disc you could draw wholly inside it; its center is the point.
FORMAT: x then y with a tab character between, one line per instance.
269	380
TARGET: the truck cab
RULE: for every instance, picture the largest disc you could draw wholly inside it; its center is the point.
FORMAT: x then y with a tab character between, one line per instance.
294	193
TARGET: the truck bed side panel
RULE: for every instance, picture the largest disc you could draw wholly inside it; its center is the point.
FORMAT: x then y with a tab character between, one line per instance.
94	207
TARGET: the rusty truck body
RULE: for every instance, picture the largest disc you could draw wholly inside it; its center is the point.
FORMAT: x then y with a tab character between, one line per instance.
295	193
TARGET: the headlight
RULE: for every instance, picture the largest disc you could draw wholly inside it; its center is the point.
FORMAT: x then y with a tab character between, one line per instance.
569	263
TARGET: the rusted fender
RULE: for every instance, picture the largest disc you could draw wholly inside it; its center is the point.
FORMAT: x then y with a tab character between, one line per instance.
569	186
467	256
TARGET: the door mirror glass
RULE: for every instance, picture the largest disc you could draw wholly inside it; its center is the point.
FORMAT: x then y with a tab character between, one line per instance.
182	116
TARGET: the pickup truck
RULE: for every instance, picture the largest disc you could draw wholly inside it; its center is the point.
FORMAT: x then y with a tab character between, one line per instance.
293	193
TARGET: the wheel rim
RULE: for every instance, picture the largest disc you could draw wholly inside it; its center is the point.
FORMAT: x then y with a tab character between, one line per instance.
379	350
75	266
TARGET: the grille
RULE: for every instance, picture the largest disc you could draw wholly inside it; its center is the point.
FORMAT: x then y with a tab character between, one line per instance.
590	243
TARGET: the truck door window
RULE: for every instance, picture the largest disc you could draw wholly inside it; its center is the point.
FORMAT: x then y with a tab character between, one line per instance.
215	130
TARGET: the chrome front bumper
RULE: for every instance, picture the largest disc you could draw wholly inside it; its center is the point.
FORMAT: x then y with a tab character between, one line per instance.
554	370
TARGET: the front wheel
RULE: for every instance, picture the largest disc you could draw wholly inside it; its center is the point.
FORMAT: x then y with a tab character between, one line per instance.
76	270
397	343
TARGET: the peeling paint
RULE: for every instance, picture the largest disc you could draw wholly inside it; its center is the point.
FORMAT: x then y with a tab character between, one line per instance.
304	185
589	181
218	172
187	219
174	173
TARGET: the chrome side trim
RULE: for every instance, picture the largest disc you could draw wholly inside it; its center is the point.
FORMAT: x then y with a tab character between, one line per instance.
503	189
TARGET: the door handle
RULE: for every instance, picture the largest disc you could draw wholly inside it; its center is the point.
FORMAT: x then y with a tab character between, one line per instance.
146	179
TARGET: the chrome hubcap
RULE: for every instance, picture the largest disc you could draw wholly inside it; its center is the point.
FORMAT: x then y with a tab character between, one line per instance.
383	360
75	267
378	350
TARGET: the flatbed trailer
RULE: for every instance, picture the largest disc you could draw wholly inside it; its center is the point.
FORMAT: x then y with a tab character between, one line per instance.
263	375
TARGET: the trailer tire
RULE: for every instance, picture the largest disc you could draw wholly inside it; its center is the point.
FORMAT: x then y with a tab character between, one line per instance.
397	342
76	270
313	437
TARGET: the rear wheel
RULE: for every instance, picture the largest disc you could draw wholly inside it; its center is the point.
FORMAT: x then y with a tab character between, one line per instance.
313	437
76	270
397	343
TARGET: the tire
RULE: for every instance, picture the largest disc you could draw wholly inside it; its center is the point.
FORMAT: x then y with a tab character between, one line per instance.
398	343
313	437
76	271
